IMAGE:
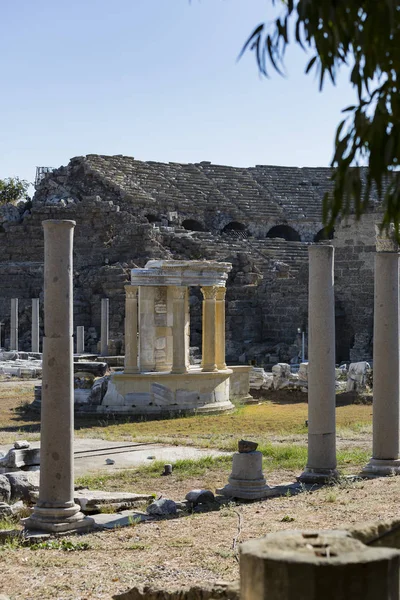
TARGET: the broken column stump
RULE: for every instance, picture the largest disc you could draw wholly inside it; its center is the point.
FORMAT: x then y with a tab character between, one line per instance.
306	565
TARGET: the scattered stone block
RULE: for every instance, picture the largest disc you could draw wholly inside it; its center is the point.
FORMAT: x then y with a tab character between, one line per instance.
124	518
247	446
23	484
200	497
218	590
5	510
94	500
5	489
25	457
162	507
21	444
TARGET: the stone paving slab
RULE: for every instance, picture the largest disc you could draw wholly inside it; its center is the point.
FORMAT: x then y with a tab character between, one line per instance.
91	454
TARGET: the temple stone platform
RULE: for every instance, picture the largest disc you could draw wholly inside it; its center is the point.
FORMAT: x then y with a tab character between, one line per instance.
164	394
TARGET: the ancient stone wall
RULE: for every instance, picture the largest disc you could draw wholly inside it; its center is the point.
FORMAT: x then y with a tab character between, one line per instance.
128	212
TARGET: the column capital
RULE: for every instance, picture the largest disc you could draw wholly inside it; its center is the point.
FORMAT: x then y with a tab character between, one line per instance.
209	292
221	293
131	291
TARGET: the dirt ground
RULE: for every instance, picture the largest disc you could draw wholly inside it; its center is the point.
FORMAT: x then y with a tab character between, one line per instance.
196	547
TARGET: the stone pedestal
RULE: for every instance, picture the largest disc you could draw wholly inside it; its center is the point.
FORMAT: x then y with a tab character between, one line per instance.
310	565
131	329
35	325
321	463
105	306
220	328
80	339
246	481
209	328
180	346
56	510
14	324
385	449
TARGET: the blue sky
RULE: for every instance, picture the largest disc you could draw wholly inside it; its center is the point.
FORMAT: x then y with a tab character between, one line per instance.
153	79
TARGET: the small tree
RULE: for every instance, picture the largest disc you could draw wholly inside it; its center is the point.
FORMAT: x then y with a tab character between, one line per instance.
13	189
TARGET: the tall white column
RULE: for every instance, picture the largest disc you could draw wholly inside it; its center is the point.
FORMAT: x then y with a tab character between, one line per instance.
35	325
105	305
56	510
14	324
180	352
80	339
209	328
386	390
220	328
321	463
131	329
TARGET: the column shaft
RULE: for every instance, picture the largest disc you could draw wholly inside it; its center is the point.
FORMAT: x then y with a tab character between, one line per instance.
105	305
131	329
209	328
147	333
386	389
35	325
14	324
55	510
220	328
80	339
180	352
321	462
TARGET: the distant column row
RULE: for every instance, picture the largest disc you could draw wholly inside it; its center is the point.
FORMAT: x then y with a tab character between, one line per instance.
35	329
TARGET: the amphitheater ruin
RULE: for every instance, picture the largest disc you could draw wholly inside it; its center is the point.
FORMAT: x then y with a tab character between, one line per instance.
261	219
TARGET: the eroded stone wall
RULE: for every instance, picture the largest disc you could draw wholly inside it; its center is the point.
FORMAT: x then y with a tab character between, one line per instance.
128	212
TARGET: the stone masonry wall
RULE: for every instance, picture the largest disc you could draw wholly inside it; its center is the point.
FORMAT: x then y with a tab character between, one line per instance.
128	212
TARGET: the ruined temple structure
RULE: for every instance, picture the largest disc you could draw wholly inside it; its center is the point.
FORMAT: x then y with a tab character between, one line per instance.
158	378
260	219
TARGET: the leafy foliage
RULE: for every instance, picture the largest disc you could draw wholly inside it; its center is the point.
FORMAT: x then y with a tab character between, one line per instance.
365	36
13	189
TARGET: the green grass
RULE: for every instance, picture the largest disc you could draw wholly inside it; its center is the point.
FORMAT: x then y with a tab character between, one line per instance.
290	457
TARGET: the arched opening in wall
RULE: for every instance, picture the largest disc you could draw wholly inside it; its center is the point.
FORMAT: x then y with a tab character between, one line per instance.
235	229
193	225
152	218
284	231
323	234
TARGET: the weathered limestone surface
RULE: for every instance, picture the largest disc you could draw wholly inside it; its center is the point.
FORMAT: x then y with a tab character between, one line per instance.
306	565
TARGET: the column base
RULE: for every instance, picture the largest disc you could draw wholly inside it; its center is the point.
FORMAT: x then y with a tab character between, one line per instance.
58	520
131	370
381	467
310	475
210	369
245	489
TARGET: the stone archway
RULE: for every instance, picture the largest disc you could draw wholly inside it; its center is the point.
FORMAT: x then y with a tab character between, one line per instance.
193	225
284	231
323	234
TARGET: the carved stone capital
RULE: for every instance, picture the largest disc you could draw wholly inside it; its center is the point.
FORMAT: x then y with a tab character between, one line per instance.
386	240
221	293
131	292
209	292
